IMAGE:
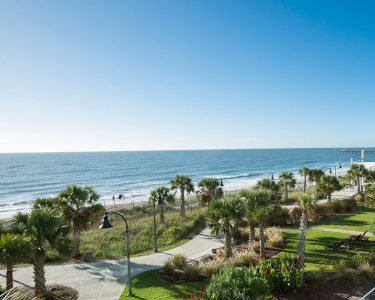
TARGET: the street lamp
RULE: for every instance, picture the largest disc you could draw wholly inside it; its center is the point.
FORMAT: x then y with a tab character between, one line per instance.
337	167
107	224
160	202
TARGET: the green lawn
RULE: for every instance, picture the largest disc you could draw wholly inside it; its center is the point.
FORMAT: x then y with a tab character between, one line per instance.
316	254
149	285
361	220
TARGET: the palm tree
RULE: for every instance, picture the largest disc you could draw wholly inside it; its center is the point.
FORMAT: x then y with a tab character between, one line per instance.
370	196
13	249
306	202
304	172
328	184
79	206
260	215
184	184
357	171
161	194
370	176
44	227
315	174
287	181
209	189
223	216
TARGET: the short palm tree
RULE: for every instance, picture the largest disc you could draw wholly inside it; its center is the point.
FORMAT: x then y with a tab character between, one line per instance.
304	172
44	227
287	181
163	194
224	216
13	249
315	174
370	196
357	171
328	184
253	199
209	189
184	184
260	215
306	202
79	206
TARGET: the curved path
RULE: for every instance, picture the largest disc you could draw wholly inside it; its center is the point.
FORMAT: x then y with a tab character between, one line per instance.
106	279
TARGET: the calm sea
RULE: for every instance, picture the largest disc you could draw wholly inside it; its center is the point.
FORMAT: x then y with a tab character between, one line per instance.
25	177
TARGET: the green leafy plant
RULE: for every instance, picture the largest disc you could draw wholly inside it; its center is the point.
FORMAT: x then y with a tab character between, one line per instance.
237	283
179	261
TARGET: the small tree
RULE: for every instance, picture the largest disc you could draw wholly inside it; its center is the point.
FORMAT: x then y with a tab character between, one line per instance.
287	181
328	184
304	172
314	175
44	227
370	196
223	216
184	184
306	202
13	249
163	194
269	185
209	189
357	172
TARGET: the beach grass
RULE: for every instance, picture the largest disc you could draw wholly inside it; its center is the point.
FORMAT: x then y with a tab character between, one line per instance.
110	243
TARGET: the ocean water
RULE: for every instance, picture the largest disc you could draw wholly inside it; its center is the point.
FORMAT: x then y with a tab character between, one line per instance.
25	177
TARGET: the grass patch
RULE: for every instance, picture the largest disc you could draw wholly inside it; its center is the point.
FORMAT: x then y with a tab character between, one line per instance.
149	285
316	255
361	220
110	243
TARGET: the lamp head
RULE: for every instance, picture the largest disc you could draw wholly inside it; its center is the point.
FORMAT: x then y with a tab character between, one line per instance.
106	223
272	178
340	166
221	183
330	171
160	200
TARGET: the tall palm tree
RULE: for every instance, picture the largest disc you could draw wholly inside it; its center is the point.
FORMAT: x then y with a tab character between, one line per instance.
223	216
357	171
260	215
328	184
184	184
44	227
13	249
315	174
306	202
304	172
209	189
79	205
287	181
163	194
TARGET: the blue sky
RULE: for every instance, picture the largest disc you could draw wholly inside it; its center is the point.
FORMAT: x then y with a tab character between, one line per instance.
189	74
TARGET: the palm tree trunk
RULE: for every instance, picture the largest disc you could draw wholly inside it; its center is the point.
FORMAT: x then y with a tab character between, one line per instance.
251	233
329	196
286	193
302	241
358	184
182	209
305	182
39	275
9	276
77	240
261	240
228	244
162	213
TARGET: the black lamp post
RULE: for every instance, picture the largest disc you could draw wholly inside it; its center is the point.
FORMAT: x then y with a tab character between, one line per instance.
107	224
160	202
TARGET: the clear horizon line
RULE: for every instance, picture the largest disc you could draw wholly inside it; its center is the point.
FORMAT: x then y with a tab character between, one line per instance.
167	150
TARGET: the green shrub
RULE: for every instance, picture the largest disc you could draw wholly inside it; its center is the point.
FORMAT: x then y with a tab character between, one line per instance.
349	205
280	273
191	273
245	258
366	271
359	198
179	261
237	283
316	276
212	266
278	216
346	276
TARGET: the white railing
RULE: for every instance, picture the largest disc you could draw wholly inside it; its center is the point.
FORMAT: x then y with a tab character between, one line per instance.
369	295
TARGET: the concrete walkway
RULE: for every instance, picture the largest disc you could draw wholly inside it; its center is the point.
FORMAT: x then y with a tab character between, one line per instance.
106	279
353	232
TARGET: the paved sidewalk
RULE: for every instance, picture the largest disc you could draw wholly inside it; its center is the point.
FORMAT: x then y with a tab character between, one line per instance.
106	279
353	232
